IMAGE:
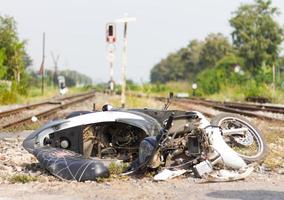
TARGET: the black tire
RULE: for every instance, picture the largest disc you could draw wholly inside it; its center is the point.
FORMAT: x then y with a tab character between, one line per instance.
258	137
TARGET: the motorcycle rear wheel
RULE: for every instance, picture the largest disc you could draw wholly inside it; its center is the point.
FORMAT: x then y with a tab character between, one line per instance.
251	146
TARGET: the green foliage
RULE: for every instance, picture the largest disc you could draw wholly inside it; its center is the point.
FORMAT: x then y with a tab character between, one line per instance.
132	86
216	65
171	68
263	75
7	95
211	80
3	69
13	61
254	89
74	78
215	47
155	88
23	85
189	61
208	82
15	57
117	169
256	34
223	77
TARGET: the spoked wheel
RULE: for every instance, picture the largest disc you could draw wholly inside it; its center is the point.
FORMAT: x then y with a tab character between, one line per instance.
242	136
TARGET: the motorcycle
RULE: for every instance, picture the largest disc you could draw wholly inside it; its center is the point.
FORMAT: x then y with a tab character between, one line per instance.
172	142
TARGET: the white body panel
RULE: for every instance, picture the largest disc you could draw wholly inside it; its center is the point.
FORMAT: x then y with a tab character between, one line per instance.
90	118
230	157
98	117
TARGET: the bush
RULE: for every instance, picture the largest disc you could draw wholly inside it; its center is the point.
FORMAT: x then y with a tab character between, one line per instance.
253	89
224	74
208	82
7	96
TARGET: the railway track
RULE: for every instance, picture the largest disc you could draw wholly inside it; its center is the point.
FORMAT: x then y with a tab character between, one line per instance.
40	110
260	111
273	108
265	111
53	106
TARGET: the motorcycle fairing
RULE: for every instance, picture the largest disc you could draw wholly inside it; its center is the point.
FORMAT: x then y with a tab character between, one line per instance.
70	165
36	139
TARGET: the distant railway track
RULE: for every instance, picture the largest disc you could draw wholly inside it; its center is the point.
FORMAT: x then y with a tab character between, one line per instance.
273	108
47	108
260	111
257	110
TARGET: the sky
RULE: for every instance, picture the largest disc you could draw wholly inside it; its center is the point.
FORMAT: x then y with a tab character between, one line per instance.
75	30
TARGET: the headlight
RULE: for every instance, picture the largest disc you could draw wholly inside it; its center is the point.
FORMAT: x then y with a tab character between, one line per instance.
64	144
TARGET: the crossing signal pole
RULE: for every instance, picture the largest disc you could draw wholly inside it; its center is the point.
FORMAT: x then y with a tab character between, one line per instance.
111	39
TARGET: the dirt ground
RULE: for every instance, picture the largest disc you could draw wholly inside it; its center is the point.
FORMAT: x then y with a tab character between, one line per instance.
264	184
266	187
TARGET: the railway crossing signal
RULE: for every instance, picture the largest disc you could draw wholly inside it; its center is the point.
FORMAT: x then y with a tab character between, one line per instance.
110	33
110	39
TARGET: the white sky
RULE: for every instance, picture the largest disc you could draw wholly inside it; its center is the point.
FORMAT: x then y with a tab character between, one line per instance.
75	29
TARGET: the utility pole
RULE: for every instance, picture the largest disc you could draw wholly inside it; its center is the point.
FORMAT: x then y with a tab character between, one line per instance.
55	73
125	21
42	64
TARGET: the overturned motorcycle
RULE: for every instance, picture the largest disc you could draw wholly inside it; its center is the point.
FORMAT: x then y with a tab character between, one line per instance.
171	142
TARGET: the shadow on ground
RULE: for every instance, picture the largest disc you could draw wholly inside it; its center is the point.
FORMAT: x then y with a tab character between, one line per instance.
247	194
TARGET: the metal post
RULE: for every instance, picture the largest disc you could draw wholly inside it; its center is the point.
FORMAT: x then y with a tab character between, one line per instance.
125	21
111	76
123	67
111	61
42	64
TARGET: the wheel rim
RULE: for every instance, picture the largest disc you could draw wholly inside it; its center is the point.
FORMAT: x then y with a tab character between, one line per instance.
240	149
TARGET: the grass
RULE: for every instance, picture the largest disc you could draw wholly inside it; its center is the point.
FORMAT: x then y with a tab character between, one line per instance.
237	93
35	95
116	169
227	92
233	93
161	89
135	102
22	178
275	158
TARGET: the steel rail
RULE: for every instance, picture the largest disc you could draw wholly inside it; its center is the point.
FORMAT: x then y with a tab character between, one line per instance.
51	111
274	108
225	108
35	105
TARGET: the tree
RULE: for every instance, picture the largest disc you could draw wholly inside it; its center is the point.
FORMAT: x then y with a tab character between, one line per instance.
171	68
16	59
215	47
187	62
2	67
256	34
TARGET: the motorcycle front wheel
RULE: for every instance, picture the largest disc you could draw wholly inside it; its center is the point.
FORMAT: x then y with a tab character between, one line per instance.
250	144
